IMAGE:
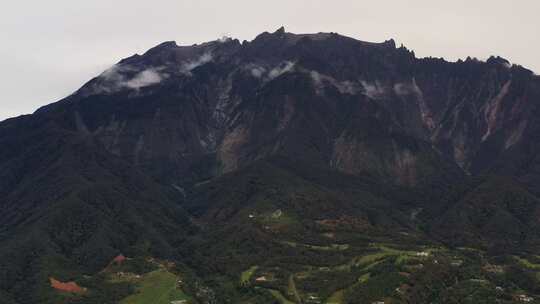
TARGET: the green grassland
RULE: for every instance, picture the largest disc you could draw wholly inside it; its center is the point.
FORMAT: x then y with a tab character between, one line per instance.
527	263
246	275
336	298
279	296
157	287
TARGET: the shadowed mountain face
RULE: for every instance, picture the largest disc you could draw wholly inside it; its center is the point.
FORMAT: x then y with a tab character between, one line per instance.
185	113
366	131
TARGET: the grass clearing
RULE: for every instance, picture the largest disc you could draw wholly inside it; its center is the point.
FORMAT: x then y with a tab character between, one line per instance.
402	256
245	277
337	297
368	267
332	247
371	258
403	259
526	263
292	289
279	296
364	278
157	287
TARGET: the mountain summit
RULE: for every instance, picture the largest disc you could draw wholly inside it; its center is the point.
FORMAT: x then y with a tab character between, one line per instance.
166	154
314	96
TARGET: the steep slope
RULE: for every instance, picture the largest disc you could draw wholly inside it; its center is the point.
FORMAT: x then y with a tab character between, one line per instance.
189	113
496	213
230	104
69	207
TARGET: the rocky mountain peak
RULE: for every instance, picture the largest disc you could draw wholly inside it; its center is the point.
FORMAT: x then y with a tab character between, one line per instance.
237	94
280	31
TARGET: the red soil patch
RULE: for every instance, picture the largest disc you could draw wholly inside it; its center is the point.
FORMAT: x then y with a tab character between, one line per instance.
67	287
119	259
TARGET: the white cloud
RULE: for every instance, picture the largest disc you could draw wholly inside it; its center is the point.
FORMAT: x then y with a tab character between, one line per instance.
317	78
257	71
284	67
261	72
404	89
373	90
348	87
114	73
224	38
115	79
318	81
344	87
144	79
189	66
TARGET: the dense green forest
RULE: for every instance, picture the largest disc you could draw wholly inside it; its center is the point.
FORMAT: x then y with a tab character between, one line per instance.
270	234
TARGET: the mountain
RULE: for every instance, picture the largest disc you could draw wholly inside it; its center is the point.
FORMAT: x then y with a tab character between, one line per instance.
311	159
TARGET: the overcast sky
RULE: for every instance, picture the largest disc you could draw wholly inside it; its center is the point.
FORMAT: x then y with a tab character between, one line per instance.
50	48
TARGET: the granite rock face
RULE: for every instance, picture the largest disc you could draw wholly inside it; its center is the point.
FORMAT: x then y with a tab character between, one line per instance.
354	106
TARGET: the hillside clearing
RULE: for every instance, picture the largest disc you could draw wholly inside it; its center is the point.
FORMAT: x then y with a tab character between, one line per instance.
157	287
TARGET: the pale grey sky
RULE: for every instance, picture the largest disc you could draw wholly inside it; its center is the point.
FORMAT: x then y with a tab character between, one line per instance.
50	48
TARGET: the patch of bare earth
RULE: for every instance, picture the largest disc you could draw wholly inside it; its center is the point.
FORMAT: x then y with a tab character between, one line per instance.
71	287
